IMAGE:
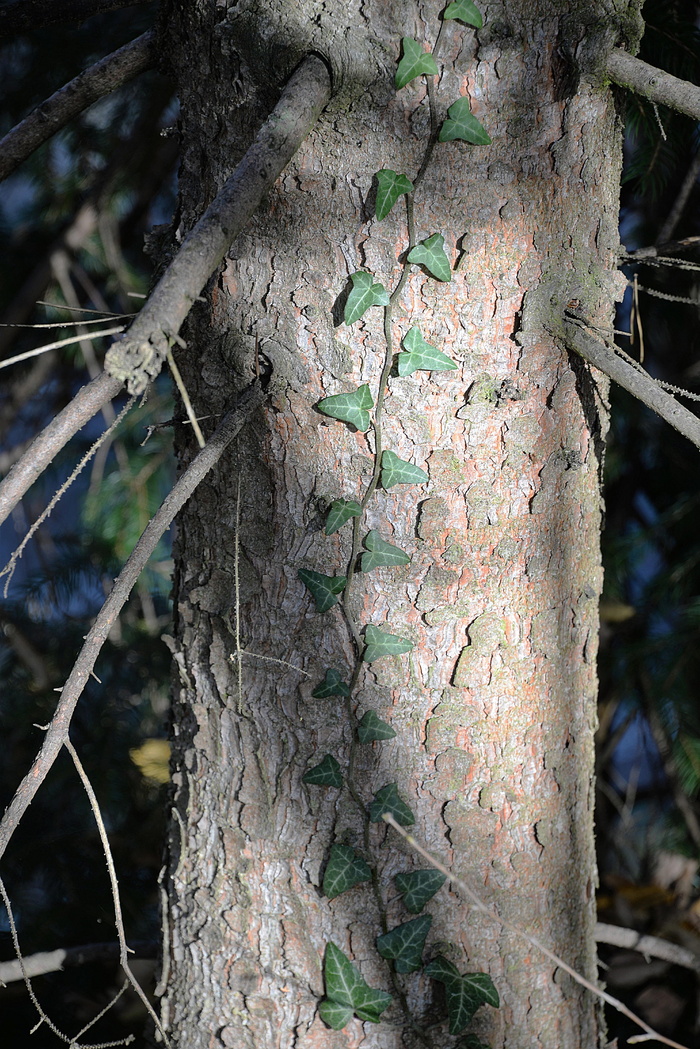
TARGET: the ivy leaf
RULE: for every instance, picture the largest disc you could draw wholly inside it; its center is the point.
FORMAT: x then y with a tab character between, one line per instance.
325	588
345	986
464	994
326	774
345	869
398	471
417	887
349	407
431	254
381	553
372	728
462	124
388	799
391	185
379	643
415	62
365	293
334	1014
332	685
421	355
443	970
341	511
404	944
465	11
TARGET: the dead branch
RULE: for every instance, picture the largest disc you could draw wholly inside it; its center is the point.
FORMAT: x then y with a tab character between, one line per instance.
18	16
65	104
68	957
631	377
57	731
137	357
649	946
86	403
652	83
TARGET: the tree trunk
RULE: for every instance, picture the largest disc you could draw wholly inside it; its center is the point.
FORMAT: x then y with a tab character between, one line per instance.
495	706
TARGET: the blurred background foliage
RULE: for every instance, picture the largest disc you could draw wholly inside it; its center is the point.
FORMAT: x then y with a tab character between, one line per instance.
74	218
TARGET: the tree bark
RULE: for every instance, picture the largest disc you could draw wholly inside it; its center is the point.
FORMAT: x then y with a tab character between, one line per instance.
495	706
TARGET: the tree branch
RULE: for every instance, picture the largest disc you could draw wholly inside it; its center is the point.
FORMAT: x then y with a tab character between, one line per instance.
649	946
20	15
138	356
66	957
57	731
65	104
632	378
86	403
652	83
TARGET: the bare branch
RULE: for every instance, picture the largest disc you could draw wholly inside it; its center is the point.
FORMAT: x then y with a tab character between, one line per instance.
138	356
653	83
101	78
649	946
20	15
86	403
116	901
57	732
631	377
67	957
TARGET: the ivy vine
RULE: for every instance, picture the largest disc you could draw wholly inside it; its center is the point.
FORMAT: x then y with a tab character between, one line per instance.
347	993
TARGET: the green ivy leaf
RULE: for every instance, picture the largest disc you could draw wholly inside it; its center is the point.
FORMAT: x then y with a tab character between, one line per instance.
381	553
462	124
345	869
421	355
325	588
379	643
326	774
334	1014
415	62
372	728
464	994
417	887
404	944
351	408
465	11
346	987
365	293
472	1042
341	511
391	185
388	799
332	685
398	471
431	254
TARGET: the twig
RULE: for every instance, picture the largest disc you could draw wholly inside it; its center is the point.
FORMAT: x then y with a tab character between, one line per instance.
101	78
674	215
43	1017
477	902
86	403
57	732
185	399
138	356
653	83
9	568
118	919
57	345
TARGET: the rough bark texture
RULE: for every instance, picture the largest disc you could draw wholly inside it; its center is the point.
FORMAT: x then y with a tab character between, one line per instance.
495	707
